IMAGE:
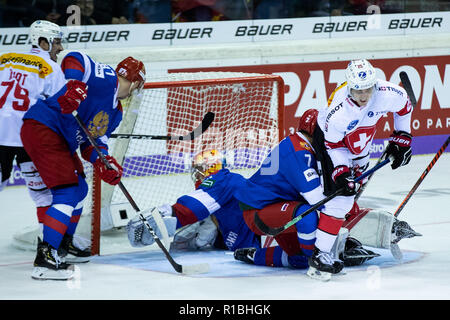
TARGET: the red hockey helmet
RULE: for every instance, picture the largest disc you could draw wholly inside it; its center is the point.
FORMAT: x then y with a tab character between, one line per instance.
308	121
133	70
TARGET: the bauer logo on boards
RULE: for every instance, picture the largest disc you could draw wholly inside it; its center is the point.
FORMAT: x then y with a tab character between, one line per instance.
182	33
263	30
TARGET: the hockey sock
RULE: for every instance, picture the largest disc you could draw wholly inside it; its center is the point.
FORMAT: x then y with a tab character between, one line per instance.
276	257
55	225
65	201
298	261
327	232
41	211
306	230
76	214
272	257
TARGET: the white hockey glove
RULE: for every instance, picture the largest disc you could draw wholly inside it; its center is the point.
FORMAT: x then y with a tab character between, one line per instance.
138	233
196	236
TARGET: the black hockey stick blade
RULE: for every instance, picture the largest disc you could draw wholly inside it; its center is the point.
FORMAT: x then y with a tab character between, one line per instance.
408	87
203	126
275	231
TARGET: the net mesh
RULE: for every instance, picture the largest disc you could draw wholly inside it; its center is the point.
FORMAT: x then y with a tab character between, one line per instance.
157	172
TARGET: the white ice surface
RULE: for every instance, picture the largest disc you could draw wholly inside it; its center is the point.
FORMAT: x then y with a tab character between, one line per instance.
428	212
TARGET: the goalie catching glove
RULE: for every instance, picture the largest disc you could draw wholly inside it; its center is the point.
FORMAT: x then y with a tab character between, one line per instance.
399	147
138	233
110	176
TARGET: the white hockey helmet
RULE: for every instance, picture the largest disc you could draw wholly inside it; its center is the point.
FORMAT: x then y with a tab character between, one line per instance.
360	75
44	29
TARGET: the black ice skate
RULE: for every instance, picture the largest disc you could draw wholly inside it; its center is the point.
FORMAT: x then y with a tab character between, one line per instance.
71	253
49	266
322	265
402	230
354	254
245	254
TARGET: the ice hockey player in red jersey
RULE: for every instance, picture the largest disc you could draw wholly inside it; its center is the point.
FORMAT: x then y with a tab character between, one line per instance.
342	140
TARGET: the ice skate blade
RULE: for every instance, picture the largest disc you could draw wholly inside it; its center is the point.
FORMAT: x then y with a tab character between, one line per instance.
70	258
318	275
42	273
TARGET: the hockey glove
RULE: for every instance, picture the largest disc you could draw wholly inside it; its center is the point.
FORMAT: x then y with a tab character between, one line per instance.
71	99
400	148
343	179
110	176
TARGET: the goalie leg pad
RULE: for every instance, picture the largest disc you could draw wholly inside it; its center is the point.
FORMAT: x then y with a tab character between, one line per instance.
196	236
374	229
184	238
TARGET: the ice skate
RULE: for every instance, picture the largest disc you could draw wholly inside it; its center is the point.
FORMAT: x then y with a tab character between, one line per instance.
71	252
322	265
355	254
49	266
245	254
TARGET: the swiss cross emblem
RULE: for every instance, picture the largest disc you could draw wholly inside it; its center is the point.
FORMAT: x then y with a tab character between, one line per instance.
358	140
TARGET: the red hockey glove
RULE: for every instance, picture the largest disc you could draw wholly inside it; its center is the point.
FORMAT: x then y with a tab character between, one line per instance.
343	179
71	99
110	176
400	148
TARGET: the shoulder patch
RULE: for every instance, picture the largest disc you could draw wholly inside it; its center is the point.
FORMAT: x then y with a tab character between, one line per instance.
310	174
208	183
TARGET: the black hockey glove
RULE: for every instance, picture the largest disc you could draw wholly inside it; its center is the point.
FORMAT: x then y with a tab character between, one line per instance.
343	179
400	148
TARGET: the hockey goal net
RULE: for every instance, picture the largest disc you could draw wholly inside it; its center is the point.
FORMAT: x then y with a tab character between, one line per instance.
248	122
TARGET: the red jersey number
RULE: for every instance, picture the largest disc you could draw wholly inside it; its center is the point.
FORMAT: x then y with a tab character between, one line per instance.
21	101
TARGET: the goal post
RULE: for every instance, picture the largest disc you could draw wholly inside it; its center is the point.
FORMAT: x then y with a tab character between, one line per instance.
248	123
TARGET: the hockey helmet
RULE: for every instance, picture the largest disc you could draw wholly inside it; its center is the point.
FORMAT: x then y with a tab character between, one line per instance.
44	29
133	70
206	163
308	121
360	75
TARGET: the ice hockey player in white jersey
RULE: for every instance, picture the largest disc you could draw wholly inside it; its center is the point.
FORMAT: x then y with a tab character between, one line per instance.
26	77
343	137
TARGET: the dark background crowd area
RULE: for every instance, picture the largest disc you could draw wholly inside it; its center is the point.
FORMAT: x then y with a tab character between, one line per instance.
21	13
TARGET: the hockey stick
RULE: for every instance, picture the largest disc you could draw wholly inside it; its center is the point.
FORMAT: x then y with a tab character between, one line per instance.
207	120
369	177
275	231
198	268
409	91
422	177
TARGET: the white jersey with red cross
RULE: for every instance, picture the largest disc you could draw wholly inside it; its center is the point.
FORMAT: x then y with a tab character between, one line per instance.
24	78
349	129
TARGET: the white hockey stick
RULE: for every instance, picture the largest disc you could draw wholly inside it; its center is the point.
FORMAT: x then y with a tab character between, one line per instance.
193	269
